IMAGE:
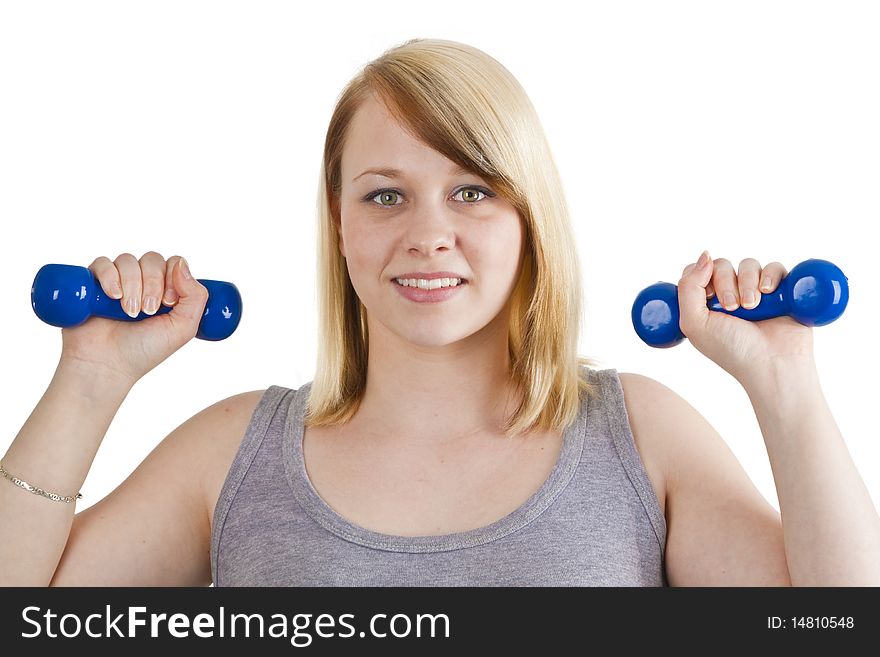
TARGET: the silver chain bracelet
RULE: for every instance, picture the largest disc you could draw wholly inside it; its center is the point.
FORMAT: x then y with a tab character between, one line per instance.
36	489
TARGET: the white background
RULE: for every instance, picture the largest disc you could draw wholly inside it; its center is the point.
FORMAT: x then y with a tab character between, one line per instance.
196	128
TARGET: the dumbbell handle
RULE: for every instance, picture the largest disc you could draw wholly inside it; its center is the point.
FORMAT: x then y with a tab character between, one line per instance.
67	295
814	293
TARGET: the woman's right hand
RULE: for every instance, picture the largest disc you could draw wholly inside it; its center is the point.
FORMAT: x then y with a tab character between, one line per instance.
131	349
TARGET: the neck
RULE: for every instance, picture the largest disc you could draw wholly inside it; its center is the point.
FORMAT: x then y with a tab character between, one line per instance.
438	394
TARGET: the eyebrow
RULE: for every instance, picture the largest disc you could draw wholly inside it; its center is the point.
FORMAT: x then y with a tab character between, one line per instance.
390	172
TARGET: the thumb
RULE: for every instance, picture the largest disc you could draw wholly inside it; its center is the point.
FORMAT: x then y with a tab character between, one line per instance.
193	296
692	307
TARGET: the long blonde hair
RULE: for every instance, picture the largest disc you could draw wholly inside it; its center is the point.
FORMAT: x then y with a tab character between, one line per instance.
468	107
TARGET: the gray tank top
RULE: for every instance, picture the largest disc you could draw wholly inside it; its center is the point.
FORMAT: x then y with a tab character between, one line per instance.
595	521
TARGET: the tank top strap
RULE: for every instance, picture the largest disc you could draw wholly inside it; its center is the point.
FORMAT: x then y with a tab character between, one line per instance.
610	402
268	419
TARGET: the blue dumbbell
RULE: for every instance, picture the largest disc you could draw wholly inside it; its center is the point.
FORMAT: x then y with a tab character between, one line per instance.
814	293
67	295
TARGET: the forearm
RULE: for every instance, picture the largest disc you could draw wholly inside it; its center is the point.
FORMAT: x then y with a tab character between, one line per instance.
830	526
54	450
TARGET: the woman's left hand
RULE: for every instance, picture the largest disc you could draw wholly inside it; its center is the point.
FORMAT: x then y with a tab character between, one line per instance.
746	349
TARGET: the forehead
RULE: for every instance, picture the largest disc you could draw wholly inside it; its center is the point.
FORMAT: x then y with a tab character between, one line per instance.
375	137
373	118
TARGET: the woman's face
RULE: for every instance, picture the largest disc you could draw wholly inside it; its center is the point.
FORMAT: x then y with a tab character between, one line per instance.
429	217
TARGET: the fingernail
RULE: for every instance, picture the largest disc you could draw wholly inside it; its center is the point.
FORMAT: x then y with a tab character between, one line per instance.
748	299
704	260
184	269
115	292
170	296
131	308
729	301
765	284
151	305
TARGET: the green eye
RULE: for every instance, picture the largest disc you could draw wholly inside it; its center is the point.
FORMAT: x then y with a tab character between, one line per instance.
474	194
386	195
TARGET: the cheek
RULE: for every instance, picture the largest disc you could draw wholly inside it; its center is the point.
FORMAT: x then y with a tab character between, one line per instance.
499	249
363	252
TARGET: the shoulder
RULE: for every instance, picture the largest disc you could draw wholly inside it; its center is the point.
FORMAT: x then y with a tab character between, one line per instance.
238	407
654	409
221	421
215	429
664	424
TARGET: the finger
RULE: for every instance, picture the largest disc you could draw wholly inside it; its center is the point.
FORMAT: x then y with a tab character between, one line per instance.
693	310
710	291
153	277
747	280
171	296
132	285
687	270
724	280
108	278
193	297
772	275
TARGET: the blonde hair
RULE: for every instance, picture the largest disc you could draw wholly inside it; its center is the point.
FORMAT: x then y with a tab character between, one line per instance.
468	107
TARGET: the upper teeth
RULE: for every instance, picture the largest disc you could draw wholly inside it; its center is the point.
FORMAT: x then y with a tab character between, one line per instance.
428	284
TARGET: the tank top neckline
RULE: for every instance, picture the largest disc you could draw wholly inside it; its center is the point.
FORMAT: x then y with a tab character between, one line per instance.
320	511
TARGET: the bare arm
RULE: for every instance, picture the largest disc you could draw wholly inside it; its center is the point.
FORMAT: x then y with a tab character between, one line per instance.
832	530
101	360
54	450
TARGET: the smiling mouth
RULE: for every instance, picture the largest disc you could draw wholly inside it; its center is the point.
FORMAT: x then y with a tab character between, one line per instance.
429	296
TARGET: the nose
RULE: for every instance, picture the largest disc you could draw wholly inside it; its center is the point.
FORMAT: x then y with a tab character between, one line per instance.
430	228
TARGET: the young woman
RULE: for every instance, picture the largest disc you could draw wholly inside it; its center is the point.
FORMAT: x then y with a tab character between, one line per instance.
451	435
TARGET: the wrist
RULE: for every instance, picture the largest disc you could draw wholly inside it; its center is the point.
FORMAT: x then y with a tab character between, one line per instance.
778	378
92	380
